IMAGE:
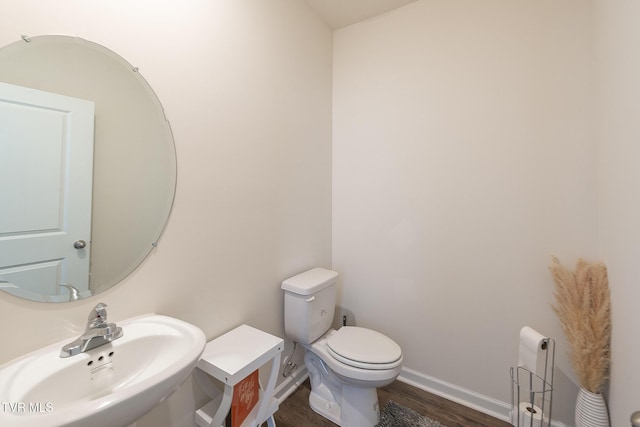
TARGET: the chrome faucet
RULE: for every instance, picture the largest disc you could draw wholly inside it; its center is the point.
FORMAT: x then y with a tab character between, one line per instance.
74	295
97	333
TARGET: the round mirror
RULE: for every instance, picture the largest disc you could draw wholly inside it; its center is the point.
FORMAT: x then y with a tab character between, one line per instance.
55	91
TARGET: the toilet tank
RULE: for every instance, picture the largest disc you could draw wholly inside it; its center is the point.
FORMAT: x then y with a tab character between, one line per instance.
309	304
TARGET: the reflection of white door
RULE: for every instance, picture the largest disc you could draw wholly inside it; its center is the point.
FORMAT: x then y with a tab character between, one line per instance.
46	169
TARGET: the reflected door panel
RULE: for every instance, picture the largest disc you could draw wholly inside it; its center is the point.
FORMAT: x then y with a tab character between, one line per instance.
46	168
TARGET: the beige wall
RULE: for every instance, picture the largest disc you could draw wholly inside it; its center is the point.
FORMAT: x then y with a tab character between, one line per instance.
246	86
619	206
465	155
463	159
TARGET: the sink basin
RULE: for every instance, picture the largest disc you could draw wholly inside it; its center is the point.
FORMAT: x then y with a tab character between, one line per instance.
109	386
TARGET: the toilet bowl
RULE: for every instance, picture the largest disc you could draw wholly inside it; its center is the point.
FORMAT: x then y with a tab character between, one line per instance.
346	365
343	389
360	356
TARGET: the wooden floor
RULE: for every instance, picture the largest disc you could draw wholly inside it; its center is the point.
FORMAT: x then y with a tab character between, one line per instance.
295	410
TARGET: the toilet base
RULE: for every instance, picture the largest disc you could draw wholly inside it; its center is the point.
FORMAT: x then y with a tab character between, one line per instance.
358	407
347	400
328	409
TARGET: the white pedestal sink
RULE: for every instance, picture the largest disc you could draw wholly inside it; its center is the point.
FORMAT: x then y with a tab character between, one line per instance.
109	386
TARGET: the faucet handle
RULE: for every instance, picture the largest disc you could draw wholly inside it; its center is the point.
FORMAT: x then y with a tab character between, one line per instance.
97	316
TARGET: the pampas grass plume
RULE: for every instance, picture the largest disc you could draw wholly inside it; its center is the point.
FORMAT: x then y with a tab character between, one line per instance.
584	308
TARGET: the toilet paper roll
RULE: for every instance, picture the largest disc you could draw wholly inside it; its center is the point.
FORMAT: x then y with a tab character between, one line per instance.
528	416
531	354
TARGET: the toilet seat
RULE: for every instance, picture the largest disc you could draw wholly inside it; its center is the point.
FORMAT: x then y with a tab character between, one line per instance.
364	348
367	375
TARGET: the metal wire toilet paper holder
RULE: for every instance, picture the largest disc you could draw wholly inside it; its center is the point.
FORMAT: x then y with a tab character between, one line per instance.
532	394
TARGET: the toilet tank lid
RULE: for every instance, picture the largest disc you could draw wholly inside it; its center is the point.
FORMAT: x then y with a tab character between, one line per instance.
310	282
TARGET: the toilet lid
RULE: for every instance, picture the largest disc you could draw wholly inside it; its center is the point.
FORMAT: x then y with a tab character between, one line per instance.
364	348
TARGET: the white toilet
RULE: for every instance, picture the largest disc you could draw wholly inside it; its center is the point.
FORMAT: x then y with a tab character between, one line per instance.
345	365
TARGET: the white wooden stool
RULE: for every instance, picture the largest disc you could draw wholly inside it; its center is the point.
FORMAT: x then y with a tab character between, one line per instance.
230	358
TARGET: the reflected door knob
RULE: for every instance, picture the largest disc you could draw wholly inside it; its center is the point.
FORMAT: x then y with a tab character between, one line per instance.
80	244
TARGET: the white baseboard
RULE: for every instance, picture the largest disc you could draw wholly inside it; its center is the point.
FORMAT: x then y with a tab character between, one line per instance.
471	399
468	398
291	383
